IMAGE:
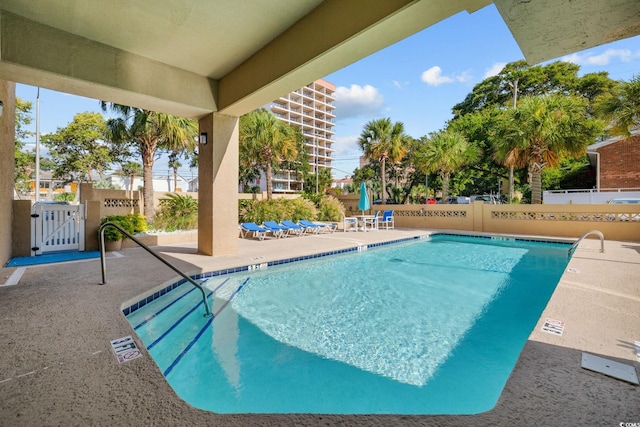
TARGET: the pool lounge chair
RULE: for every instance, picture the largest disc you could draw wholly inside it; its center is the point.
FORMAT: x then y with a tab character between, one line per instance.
278	229
387	220
312	226
248	228
275	229
293	228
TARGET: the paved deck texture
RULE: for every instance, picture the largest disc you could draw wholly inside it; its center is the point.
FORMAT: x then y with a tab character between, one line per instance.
57	366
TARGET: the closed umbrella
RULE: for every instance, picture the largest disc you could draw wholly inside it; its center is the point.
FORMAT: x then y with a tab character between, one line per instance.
363	205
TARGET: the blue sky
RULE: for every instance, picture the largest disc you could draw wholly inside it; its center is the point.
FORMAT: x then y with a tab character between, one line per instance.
415	81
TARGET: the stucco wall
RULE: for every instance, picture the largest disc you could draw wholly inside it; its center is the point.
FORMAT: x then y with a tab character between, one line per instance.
7	140
21	226
616	222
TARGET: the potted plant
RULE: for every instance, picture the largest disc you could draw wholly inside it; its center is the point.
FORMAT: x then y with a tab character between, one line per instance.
113	237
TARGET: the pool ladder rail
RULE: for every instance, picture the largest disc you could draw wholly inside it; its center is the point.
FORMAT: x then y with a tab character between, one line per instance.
573	247
103	262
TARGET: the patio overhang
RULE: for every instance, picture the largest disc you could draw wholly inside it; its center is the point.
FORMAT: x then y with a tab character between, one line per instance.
194	58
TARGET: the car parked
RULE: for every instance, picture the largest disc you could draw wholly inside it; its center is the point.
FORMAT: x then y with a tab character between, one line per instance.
625	201
490	199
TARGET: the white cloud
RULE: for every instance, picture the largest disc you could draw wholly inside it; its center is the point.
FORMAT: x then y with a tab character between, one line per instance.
465	76
604	58
495	69
433	77
399	84
357	101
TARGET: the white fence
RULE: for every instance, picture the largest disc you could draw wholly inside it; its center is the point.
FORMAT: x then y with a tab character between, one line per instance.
588	197
57	227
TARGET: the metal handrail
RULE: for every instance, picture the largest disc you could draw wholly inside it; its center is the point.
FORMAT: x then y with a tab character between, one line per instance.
596	232
103	262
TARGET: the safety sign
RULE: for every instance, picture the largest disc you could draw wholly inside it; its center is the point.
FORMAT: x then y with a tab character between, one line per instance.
125	349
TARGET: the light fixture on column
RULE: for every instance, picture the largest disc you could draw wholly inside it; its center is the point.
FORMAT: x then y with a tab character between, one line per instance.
1	107
203	138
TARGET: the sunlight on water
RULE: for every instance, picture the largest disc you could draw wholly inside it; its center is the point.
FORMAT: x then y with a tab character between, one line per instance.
396	314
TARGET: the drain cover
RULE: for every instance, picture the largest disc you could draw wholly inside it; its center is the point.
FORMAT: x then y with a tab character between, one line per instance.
609	367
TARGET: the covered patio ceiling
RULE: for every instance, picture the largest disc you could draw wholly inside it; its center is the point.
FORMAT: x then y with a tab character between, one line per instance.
191	58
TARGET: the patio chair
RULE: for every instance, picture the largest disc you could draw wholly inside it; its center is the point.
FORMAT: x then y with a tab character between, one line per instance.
349	223
387	219
248	228
293	228
274	228
371	223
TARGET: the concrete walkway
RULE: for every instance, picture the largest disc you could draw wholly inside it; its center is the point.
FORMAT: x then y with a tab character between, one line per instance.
57	366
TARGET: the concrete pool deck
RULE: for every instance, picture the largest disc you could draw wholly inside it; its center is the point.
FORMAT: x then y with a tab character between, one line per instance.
57	366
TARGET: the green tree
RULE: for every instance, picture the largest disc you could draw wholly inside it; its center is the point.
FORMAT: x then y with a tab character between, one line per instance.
79	148
23	161
174	163
324	181
131	169
445	152
541	131
383	141
622	106
265	142
148	131
497	93
520	79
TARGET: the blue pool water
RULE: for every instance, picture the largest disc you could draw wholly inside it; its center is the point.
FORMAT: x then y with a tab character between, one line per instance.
431	326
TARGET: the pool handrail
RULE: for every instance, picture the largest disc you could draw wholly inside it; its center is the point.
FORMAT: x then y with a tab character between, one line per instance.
574	246
103	262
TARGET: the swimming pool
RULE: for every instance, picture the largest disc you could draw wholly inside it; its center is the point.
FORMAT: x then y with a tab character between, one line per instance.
429	326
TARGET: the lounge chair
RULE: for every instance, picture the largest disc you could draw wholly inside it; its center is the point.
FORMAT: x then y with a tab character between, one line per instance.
387	220
248	228
349	223
277	229
274	228
312	226
293	228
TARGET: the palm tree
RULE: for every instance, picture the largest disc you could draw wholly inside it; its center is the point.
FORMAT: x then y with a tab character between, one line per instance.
149	131
131	169
174	163
541	131
622	107
383	141
445	152
265	142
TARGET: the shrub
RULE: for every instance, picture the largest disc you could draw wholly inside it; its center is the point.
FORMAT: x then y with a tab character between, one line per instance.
259	211
139	222
177	212
124	221
330	209
64	197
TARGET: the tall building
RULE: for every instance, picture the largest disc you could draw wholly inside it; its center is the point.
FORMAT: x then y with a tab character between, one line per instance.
309	108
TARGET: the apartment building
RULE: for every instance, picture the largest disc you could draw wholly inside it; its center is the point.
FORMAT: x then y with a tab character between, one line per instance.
310	109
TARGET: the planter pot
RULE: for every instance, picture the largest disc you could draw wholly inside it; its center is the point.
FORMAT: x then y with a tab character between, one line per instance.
110	245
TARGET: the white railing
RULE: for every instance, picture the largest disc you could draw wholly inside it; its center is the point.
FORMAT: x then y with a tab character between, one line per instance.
588	196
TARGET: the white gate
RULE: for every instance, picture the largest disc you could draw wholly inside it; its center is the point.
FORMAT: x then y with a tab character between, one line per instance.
57	227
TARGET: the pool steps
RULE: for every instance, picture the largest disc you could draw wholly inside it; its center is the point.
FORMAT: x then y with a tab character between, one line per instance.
189	326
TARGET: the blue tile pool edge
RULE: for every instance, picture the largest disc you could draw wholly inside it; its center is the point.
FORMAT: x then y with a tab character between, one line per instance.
157	294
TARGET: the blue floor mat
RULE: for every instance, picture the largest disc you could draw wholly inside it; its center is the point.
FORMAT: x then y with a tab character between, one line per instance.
51	258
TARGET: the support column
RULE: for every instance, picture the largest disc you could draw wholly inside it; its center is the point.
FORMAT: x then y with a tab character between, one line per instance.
218	185
7	144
